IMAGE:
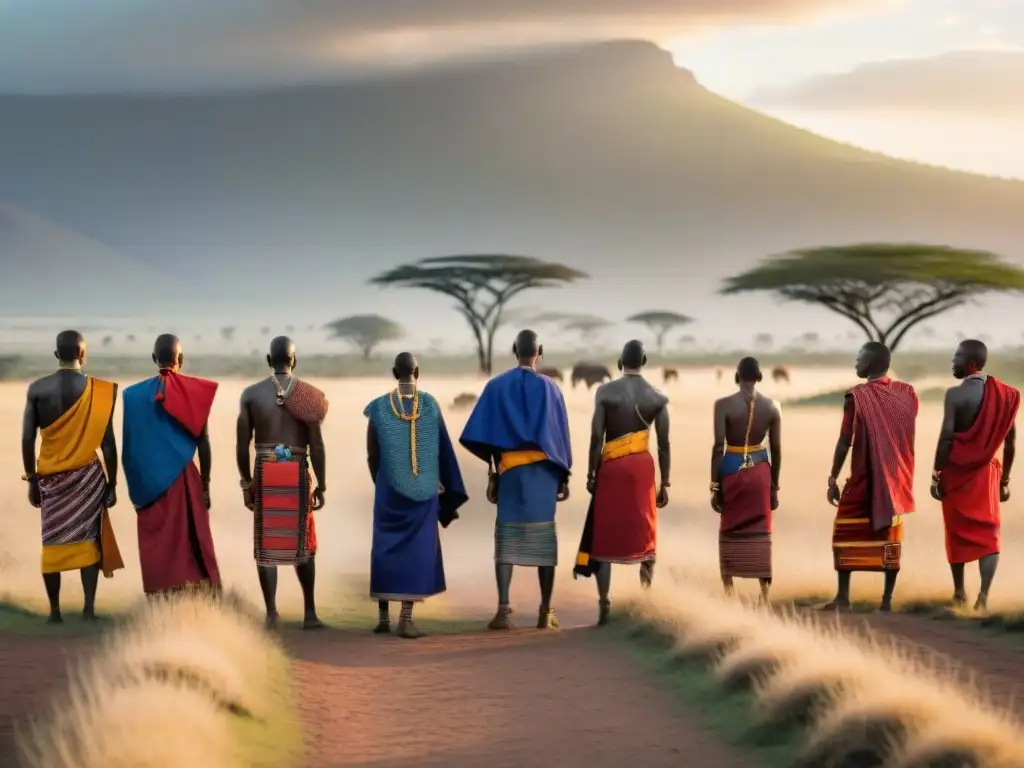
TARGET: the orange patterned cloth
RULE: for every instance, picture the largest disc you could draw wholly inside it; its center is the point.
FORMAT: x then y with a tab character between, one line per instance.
880	421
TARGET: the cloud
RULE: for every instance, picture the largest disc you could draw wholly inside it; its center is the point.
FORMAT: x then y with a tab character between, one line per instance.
69	45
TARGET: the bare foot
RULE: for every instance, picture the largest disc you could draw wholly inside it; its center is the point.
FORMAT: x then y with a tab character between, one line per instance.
839	606
959	600
55	618
501	620
981	604
312	622
90	616
409	630
271	621
382	628
886	605
604	614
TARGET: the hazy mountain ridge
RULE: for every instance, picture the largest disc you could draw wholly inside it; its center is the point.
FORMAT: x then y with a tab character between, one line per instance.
607	157
988	81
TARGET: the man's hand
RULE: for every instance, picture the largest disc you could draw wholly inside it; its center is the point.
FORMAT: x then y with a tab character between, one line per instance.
1004	492
591	484
834	494
717	501
111	496
661	501
774	502
248	500
33	493
936	490
492	487
318	499
206	495
563	491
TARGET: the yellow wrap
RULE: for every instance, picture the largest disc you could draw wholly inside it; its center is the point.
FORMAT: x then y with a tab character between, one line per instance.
71	443
627	445
740	449
72	440
513	459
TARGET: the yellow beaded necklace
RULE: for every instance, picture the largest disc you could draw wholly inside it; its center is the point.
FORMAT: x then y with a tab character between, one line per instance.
410	418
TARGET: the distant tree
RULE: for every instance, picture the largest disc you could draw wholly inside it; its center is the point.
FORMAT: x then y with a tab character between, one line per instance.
687	340
482	286
265	330
365	331
764	341
907	284
810	338
107	341
130	338
228	333
660	322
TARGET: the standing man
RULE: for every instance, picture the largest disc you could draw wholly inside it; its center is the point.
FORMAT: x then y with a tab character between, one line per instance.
622	520
980	416
417	485
165	425
744	483
879	422
519	426
285	414
74	414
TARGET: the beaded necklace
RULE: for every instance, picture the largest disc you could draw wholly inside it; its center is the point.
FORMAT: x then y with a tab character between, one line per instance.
399	410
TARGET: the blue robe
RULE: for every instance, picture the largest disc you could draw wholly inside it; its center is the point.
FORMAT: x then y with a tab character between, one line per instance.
520	410
406	562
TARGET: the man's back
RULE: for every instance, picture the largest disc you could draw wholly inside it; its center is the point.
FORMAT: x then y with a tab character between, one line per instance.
52	395
271	422
736	409
630	404
967	399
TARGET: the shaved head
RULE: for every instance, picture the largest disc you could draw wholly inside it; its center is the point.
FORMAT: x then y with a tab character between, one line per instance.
634	356
406	367
971	357
167	351
527	346
282	352
70	347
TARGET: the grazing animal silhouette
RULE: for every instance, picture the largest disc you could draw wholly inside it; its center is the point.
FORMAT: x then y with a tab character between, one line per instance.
669	374
718	374
551	373
591	373
465	400
780	374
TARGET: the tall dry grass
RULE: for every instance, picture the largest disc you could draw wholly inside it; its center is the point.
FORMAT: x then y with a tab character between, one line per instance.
862	701
186	681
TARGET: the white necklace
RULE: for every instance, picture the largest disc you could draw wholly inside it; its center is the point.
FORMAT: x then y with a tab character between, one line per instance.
282	393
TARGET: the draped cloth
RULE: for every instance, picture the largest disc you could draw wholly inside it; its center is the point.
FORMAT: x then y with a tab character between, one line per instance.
971	477
745	527
880	420
622	518
284	526
521	420
76	528
163	419
406	559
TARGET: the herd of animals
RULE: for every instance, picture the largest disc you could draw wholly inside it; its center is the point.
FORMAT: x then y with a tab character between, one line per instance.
593	374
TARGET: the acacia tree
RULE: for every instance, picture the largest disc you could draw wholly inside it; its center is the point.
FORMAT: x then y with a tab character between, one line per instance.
228	333
482	285
660	322
107	341
365	332
764	341
884	289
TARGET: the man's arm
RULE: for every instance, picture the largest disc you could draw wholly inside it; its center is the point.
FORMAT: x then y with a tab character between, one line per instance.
718	448
243	439
372	450
661	427
845	438
318	456
597	425
29	428
206	455
775	445
946	431
1009	451
109	447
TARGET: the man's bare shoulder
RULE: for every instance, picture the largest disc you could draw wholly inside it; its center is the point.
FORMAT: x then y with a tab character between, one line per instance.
607	390
40	384
725	402
253	390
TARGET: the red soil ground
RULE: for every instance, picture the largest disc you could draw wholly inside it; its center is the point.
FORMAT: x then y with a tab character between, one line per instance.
516	699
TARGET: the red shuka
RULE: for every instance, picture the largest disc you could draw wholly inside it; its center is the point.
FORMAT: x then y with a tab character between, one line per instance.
971	477
625	512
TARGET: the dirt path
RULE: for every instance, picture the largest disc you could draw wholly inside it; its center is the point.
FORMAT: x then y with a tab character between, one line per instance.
518	699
